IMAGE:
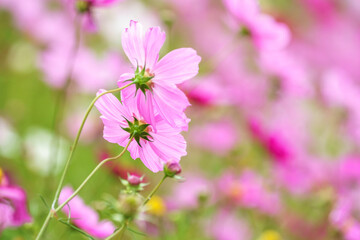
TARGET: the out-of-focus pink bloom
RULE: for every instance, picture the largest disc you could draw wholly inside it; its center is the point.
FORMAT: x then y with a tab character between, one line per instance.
175	68
85	217
342	215
226	226
189	194
13	203
339	90
166	142
303	174
205	92
293	78
88	71
92	73
219	137
266	33
348	172
273	142
248	190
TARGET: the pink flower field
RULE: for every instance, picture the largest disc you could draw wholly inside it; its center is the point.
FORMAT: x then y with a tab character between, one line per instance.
180	120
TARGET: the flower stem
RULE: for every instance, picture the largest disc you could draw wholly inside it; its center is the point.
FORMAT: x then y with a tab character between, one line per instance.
120	232
72	149
92	174
154	190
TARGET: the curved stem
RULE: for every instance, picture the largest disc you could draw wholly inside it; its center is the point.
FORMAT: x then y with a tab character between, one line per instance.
92	174
120	232
154	191
72	149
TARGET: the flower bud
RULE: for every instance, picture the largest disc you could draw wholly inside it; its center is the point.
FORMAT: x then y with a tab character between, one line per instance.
134	180
172	168
129	205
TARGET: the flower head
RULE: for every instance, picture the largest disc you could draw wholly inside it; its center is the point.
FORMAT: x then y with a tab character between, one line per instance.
158	79
156	142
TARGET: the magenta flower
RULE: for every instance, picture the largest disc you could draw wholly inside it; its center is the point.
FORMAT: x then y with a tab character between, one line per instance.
156	142
265	32
13	209
85	217
158	78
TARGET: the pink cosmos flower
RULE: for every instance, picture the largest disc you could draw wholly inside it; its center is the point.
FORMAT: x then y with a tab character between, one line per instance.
158	78
13	209
266	33
156	142
85	217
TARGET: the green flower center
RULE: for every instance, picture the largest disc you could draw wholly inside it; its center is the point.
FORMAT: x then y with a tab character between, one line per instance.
142	79
138	130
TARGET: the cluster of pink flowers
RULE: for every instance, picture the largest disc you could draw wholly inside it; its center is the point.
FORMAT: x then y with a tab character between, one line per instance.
151	111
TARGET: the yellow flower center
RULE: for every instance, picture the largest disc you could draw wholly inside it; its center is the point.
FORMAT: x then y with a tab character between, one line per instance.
235	191
156	206
270	235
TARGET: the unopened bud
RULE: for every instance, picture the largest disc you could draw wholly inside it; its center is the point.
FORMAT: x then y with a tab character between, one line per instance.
172	168
134	180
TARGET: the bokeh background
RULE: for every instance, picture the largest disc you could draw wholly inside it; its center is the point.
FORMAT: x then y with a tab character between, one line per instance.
273	142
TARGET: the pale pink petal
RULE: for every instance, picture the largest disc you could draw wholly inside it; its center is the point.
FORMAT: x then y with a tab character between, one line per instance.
114	133
150	159
269	34
110	107
133	44
154	40
243	10
177	66
171	102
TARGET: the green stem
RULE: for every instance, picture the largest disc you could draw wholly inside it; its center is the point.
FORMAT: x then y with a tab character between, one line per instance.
72	149
154	190
92	174
120	232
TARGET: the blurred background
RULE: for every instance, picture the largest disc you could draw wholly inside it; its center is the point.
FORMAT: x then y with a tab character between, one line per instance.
273	142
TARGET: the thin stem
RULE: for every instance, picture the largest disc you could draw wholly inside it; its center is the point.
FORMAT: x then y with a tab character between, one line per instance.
120	232
154	190
92	174
43	227
72	149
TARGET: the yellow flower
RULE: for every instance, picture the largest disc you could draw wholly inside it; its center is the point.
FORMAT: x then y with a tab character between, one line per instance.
156	206
1	175
270	235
